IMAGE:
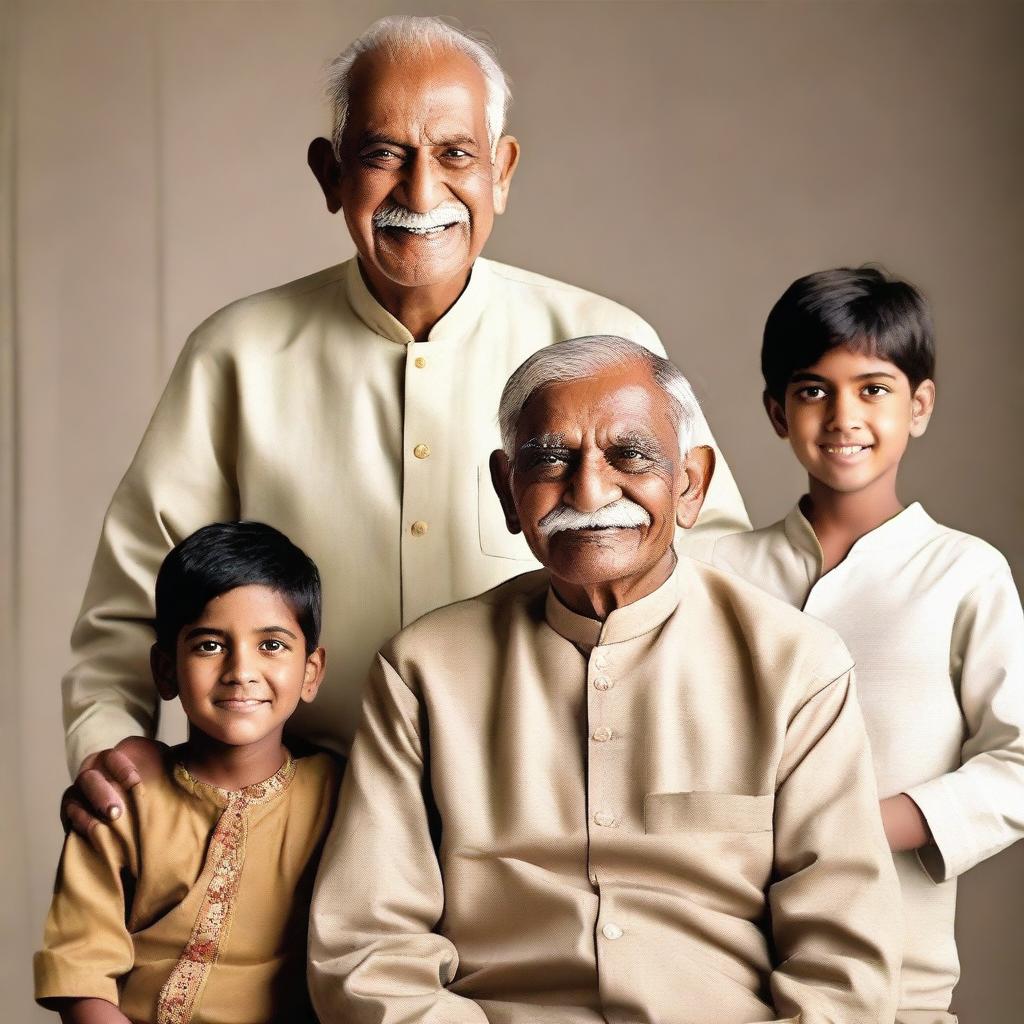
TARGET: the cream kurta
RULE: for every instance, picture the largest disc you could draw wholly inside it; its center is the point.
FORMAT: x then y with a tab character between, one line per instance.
228	874
311	408
550	820
934	623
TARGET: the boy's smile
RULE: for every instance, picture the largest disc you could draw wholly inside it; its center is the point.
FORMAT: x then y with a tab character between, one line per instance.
848	419
241	668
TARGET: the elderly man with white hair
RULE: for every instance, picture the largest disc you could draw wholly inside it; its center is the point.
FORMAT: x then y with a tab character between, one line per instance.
625	788
353	409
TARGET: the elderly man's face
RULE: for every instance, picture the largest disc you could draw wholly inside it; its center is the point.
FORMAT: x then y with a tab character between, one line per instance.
597	483
415	142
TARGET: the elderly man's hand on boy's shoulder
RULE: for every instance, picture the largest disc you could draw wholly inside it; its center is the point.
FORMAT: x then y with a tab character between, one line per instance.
97	794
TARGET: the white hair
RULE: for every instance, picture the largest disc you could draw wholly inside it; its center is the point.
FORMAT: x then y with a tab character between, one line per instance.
404	33
585	357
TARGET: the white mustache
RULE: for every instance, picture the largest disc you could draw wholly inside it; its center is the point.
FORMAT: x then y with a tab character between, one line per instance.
451	211
622	513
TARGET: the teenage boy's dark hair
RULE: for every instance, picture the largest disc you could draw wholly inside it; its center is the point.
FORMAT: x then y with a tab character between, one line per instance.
222	556
858	309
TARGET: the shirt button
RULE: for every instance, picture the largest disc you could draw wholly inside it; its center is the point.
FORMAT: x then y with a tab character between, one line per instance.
600	661
422	451
602	734
420	362
604	818
419	528
611	931
603	683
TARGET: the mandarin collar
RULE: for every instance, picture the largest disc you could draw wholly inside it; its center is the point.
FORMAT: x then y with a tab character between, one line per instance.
458	322
625	623
258	793
897	531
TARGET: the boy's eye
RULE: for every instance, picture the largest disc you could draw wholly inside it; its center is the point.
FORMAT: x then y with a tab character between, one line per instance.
811	391
273	646
875	390
209	647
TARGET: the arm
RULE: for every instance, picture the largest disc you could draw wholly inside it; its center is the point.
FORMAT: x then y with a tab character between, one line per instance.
179	480
723	511
835	899
978	809
373	954
87	946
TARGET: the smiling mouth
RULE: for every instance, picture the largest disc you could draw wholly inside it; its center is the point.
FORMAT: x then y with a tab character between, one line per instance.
240	703
427	232
844	449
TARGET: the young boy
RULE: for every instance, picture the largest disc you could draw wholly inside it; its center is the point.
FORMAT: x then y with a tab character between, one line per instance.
930	614
193	905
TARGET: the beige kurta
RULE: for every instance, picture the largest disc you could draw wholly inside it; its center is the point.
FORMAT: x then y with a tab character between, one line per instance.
311	408
228	875
934	623
666	818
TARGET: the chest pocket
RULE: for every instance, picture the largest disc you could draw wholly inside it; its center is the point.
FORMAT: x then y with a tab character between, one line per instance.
494	536
666	813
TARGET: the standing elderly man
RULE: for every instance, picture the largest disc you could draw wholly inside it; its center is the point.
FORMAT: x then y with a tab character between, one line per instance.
619	789
352	409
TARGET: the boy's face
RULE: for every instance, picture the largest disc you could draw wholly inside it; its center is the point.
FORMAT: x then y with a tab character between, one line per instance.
848	419
241	668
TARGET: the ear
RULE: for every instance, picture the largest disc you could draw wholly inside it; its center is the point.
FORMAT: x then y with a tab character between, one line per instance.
161	664
699	467
314	674
506	159
921	405
501	472
776	413
326	170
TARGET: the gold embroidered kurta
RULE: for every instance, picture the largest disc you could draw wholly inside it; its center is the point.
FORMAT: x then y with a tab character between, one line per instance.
311	408
669	817
192	907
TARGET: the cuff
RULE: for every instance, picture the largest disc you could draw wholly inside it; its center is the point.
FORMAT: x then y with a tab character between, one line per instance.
98	733
57	978
950	852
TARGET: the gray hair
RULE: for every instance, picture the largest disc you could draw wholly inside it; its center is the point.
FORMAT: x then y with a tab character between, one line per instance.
404	33
585	357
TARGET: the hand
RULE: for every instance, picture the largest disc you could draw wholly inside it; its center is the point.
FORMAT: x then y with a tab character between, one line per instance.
905	826
97	794
89	1011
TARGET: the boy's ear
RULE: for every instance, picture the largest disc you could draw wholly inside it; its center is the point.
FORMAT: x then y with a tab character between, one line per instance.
776	413
316	663
500	474
921	405
161	664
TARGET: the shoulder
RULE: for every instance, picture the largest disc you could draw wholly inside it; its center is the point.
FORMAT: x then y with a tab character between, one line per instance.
972	559
319	773
586	312
781	641
735	550
252	321
468	630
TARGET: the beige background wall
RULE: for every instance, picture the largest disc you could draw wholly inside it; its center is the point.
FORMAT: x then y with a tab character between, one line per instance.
688	159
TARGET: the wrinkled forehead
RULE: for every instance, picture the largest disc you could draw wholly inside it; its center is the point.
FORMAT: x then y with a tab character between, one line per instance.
441	90
620	403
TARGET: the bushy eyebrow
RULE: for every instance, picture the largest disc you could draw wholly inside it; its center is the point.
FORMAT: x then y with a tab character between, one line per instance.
543	441
197	631
801	378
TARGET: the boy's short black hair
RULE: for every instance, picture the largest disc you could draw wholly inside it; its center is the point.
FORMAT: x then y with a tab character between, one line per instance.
222	556
860	309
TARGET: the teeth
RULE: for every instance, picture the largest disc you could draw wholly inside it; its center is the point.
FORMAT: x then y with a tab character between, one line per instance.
844	449
426	231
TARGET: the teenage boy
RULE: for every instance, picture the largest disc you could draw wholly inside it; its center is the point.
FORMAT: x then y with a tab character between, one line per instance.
931	615
193	905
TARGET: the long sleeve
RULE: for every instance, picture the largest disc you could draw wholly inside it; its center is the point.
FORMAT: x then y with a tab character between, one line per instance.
86	945
978	810
181	478
834	904
379	893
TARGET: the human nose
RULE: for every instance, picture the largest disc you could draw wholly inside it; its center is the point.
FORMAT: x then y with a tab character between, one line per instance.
240	666
592	486
844	412
421	187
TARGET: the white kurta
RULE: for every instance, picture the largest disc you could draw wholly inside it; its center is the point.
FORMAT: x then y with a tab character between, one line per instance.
311	408
934	622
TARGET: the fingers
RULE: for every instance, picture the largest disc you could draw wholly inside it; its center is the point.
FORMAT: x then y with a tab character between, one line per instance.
75	816
120	768
98	793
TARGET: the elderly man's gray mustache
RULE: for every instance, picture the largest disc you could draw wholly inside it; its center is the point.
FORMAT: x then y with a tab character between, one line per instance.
622	513
451	211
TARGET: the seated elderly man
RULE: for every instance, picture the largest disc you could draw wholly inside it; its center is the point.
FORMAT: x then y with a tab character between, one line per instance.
616	789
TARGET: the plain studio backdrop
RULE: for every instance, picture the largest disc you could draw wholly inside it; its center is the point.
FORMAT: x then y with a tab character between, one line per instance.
687	159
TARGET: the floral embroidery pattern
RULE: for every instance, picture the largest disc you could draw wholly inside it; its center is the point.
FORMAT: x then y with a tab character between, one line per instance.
181	993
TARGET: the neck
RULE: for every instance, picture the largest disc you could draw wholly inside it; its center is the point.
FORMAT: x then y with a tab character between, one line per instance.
416	308
840	519
232	767
599	600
